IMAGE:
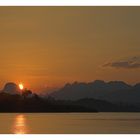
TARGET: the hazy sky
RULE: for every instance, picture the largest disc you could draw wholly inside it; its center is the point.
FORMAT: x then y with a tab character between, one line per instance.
49	46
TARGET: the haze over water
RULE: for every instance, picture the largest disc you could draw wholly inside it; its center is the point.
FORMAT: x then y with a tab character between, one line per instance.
70	123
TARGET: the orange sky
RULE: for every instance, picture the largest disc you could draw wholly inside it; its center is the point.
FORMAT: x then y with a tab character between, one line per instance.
49	46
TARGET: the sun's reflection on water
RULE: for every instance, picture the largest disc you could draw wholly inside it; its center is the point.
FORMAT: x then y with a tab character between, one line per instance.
20	126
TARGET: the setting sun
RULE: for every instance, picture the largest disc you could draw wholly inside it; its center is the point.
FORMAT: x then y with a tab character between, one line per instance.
21	86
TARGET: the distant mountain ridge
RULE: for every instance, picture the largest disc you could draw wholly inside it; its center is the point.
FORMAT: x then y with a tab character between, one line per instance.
11	88
96	96
113	91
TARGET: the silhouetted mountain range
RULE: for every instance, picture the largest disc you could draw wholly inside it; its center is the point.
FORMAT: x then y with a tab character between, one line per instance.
97	96
113	91
11	88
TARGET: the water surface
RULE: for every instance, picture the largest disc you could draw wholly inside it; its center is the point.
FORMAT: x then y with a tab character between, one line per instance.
70	123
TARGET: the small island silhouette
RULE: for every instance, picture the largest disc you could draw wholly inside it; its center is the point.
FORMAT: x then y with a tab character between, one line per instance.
96	96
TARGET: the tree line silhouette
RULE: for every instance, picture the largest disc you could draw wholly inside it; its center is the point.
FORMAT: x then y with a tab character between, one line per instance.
30	102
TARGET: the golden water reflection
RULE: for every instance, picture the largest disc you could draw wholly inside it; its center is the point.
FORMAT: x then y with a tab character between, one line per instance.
20	126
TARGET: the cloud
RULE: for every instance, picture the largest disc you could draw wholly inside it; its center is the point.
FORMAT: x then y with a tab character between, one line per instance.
131	63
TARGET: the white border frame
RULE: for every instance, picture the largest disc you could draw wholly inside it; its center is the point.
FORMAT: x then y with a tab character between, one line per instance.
70	137
70	2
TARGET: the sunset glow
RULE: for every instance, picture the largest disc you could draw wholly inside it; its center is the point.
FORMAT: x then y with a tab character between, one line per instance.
78	48
21	86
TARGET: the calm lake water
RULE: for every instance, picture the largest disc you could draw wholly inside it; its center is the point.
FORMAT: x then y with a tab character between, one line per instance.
70	123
